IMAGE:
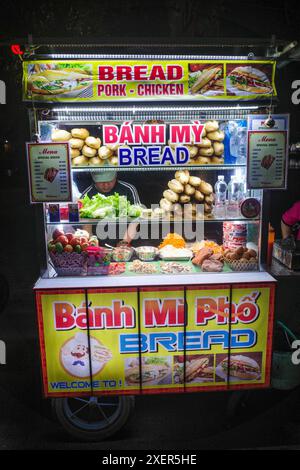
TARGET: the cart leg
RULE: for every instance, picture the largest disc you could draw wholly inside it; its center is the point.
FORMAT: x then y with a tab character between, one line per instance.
93	418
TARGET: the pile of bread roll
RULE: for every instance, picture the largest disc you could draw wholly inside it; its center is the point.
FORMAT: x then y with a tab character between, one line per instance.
85	149
187	189
211	149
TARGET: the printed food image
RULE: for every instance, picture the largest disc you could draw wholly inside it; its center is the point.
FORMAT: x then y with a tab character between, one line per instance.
50	174
197	369
248	80
57	79
241	367
267	161
75	356
206	79
85	149
210	150
154	371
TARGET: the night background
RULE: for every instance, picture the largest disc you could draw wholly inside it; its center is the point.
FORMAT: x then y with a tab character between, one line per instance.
268	418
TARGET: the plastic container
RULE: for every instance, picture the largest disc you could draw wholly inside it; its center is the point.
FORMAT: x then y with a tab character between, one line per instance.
98	260
220	198
69	264
122	254
147	253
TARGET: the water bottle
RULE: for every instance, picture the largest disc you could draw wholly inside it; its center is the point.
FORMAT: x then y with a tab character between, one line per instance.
242	146
234	189
220	198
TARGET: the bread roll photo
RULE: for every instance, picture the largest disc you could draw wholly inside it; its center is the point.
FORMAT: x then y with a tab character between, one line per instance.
60	135
80	133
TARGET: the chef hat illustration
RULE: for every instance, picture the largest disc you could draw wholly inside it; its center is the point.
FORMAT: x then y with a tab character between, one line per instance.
80	339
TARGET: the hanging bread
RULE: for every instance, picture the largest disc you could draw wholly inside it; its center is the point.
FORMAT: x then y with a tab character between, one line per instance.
218	136
60	135
76	143
93	142
88	151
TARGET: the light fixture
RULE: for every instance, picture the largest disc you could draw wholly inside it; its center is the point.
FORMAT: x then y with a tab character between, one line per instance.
153	108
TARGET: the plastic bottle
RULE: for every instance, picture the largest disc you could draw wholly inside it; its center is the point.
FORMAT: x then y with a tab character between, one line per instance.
242	147
233	197
220	198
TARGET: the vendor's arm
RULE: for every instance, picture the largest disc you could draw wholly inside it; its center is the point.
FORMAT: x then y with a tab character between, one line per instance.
290	218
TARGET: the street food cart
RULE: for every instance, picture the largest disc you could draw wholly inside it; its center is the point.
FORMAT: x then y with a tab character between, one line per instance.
161	289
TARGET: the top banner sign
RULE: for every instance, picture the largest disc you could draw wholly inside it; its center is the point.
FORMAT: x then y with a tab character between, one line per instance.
144	80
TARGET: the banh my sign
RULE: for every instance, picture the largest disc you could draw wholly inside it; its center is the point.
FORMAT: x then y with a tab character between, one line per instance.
141	344
145	79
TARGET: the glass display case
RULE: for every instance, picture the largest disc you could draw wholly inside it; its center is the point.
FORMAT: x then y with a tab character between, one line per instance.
142	211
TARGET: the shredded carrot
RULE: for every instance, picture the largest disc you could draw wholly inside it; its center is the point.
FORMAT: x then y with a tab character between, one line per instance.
173	239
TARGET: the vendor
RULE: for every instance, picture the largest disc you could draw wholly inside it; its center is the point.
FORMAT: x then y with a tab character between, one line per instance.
107	183
290	219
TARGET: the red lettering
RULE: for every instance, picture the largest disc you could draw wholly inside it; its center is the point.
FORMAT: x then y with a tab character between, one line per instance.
106	72
168	312
124	72
174	72
206	310
63	316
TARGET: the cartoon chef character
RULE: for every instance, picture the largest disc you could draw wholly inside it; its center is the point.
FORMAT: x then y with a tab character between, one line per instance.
78	350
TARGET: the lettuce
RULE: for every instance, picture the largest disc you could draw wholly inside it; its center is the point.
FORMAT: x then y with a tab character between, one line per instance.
100	207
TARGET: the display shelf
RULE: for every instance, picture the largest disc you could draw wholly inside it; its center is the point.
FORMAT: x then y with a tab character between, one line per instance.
215	167
155	220
153	280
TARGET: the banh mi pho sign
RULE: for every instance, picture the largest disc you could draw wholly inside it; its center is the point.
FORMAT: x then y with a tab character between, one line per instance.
146	79
140	342
145	144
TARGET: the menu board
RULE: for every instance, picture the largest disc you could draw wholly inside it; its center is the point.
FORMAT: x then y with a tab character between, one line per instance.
49	172
267	152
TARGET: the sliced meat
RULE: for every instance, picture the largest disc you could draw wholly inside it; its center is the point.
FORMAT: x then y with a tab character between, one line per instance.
210	265
202	255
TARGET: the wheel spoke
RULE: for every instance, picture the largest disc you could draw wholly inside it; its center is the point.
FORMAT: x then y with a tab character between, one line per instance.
84	400
78	411
108	404
102	413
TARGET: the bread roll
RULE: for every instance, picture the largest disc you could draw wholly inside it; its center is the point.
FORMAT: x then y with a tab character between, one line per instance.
93	142
199	196
203	160
205	188
74	153
184	198
211	126
113	147
207	208
206	152
193	150
60	135
170	195
205	143
217	160
166	205
113	161
80	133
216	135
104	152
189	190
76	143
88	151
176	186
182	176
80	161
218	148
95	161
209	199
194	181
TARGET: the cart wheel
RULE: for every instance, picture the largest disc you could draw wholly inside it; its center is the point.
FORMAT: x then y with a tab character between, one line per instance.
93	418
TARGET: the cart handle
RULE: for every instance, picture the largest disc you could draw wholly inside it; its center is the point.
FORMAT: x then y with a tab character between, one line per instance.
286	330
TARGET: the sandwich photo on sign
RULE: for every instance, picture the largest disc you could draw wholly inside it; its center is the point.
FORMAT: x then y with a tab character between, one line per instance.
198	369
153	371
249	80
206	79
239	367
69	80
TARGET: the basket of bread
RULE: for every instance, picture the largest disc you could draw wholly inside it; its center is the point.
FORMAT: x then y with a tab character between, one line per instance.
241	259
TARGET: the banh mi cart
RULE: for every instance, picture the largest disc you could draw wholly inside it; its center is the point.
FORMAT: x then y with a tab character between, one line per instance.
191	312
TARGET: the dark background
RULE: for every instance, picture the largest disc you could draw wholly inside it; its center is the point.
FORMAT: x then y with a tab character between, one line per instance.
20	393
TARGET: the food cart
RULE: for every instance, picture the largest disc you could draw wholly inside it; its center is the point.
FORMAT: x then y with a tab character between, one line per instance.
185	304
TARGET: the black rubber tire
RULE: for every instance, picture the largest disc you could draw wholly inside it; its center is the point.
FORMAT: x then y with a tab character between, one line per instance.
125	408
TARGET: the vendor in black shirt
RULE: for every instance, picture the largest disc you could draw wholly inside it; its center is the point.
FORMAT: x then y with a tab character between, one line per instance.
107	183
